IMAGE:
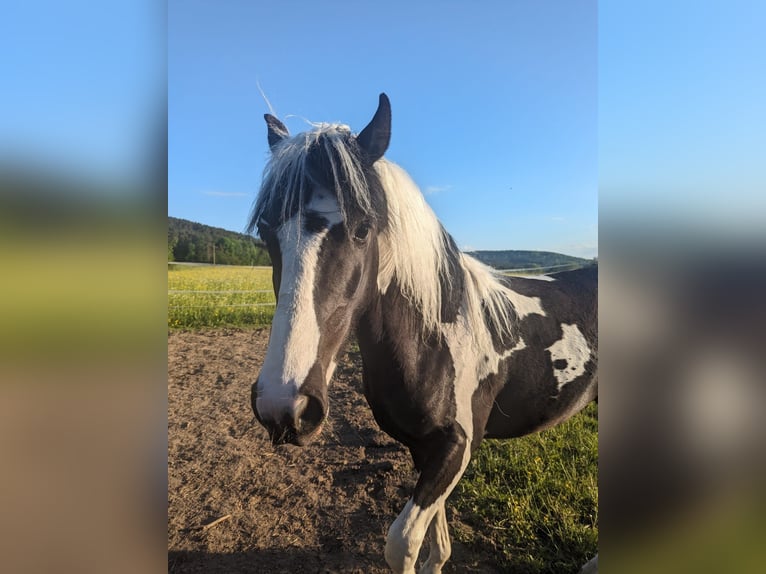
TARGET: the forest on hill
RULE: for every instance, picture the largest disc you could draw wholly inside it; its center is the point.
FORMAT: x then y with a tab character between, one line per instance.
543	260
196	242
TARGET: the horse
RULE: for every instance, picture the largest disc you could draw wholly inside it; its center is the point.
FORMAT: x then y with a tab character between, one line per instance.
452	352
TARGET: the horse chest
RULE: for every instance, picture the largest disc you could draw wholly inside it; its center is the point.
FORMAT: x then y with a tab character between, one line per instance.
411	393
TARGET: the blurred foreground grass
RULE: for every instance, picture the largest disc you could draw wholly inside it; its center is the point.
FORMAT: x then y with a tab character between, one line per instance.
78	296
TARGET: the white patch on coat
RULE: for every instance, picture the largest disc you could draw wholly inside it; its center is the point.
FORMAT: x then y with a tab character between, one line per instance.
525	305
540	277
441	548
574	349
295	332
324	203
405	536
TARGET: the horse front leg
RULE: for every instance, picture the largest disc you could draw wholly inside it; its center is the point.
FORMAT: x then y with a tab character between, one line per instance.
441	548
445	458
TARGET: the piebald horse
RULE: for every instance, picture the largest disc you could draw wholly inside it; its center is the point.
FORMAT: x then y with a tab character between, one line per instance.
452	352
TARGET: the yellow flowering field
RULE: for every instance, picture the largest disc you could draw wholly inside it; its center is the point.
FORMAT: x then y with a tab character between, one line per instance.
217	296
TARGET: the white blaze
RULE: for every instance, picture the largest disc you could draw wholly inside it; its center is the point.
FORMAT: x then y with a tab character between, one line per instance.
295	332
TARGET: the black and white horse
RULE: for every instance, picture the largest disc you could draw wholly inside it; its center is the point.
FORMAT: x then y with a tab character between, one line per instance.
452	352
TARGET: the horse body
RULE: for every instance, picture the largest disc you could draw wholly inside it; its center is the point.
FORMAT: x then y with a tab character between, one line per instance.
441	395
451	352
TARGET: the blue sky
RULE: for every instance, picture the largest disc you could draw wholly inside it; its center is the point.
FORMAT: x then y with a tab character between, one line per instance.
494	106
83	89
682	120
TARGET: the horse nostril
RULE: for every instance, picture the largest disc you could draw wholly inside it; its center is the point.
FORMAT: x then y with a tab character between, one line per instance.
299	407
309	414
296	421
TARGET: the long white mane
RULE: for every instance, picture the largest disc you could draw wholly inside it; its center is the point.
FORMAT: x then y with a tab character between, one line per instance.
415	251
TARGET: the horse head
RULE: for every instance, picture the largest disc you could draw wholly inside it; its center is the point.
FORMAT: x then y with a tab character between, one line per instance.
319	211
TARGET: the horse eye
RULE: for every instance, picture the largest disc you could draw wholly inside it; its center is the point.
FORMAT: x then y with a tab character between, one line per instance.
362	232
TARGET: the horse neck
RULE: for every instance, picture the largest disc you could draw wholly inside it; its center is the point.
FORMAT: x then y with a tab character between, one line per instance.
393	324
391	313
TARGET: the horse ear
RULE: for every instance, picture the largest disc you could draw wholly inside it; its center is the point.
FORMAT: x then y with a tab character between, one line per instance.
374	139
277	130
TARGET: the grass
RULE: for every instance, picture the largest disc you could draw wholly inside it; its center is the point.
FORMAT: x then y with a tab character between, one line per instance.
533	500
219	296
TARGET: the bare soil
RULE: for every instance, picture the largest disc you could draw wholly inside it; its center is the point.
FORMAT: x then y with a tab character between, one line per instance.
321	508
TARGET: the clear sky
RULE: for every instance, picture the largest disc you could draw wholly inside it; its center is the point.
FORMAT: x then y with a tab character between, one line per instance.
682	120
83	87
494	106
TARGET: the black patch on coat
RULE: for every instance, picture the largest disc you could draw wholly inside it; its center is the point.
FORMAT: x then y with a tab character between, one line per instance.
561	364
313	222
269	237
408	377
503	336
452	281
441	456
409	384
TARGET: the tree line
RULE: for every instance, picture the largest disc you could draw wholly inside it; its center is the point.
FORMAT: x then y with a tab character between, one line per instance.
199	243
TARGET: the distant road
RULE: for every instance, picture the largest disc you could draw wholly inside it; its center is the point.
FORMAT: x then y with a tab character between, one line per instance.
195	264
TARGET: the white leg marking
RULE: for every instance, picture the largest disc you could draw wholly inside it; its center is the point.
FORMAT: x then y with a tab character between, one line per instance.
405	536
574	349
440	543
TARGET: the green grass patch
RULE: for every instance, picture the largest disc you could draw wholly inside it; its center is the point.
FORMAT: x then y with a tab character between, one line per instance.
535	499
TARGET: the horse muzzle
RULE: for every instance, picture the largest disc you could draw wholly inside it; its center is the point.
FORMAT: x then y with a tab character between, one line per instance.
297	420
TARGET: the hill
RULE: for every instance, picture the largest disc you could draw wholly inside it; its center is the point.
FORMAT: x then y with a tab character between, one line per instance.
191	241
510	259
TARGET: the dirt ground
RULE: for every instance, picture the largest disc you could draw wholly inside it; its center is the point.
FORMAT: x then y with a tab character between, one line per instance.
318	509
